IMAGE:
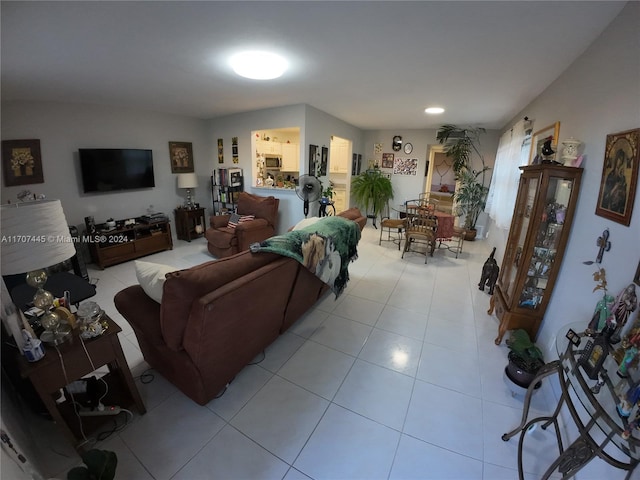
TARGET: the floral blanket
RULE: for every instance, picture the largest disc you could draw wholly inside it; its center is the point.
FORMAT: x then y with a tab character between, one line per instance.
326	248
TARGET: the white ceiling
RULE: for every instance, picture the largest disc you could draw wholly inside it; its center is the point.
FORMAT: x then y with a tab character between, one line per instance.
375	65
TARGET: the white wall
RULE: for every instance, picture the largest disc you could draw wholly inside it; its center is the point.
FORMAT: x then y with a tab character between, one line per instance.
64	128
406	187
598	94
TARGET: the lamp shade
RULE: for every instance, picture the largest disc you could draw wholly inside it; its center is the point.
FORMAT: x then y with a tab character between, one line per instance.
187	180
34	235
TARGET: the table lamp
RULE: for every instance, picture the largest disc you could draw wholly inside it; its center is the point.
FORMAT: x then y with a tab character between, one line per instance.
35	236
188	181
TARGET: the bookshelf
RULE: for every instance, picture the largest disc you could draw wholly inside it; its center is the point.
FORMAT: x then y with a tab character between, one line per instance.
226	185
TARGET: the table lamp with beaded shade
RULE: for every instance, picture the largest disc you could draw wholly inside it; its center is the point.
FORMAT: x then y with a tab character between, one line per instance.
35	235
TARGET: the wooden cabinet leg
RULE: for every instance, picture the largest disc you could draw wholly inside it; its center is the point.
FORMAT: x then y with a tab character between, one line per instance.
492	304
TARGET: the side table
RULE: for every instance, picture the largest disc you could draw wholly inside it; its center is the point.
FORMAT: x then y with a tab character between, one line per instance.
190	223
598	403
48	376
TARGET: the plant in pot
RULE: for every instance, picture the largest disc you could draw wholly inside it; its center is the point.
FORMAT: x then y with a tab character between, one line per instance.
525	359
372	190
99	465
462	144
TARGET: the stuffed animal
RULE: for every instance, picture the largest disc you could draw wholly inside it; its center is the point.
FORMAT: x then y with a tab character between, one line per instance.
490	271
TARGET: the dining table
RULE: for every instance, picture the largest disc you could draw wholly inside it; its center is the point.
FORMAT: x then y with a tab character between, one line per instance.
445	222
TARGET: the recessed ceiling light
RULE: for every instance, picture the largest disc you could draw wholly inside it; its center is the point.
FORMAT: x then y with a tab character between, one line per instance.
258	65
434	110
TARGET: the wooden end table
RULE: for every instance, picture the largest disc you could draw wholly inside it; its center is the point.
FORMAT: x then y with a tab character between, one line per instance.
48	377
187	222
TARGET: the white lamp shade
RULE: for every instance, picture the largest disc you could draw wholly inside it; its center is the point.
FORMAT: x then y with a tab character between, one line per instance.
34	235
187	180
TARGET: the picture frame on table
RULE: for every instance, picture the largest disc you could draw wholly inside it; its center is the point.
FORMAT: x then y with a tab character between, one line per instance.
539	138
181	156
619	176
21	162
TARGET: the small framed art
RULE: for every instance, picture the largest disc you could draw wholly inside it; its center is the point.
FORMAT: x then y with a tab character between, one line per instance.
21	162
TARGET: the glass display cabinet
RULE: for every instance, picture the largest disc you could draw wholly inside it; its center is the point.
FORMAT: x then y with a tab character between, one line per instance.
546	201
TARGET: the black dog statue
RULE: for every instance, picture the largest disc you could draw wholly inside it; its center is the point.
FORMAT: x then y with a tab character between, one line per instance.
490	272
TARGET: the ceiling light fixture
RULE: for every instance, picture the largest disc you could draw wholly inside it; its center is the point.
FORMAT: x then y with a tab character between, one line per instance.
258	65
434	110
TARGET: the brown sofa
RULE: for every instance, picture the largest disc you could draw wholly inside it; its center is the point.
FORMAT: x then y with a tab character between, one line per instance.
223	241
214	318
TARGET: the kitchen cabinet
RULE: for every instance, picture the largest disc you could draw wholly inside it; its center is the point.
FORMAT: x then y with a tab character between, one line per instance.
269	148
545	205
339	199
339	158
290	157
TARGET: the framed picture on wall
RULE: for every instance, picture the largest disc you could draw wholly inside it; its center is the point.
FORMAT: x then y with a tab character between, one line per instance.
181	155
619	176
21	162
324	159
313	152
387	160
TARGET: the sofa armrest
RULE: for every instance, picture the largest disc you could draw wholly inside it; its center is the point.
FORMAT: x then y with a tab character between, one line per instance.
219	221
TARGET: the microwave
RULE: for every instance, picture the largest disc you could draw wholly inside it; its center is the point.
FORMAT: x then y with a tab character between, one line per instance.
273	162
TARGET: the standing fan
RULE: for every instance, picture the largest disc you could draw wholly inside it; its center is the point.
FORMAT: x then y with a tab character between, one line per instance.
309	189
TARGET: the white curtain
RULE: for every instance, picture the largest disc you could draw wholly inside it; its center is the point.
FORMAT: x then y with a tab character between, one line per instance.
513	151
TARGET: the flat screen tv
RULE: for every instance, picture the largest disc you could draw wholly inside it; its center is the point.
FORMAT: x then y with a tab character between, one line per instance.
111	169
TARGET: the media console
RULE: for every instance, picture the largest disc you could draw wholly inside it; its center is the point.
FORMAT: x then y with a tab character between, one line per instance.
122	243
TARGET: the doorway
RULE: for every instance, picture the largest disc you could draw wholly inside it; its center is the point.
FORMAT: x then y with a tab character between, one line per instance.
340	171
440	179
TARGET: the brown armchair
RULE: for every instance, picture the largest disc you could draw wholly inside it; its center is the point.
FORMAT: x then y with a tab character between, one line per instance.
223	241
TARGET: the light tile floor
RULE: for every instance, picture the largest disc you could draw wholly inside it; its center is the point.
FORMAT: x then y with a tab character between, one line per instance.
398	378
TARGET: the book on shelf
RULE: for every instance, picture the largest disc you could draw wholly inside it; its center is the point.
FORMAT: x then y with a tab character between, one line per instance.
229	177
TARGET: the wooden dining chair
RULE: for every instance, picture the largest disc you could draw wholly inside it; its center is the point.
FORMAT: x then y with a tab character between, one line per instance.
420	228
393	227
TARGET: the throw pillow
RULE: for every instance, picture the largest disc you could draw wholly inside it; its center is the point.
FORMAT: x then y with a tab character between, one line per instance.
306	222
236	219
151	277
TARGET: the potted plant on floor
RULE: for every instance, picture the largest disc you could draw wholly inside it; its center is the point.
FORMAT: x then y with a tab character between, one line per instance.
99	465
525	359
462	144
372	190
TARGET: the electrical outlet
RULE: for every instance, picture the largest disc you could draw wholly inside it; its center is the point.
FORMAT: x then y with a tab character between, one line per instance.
107	410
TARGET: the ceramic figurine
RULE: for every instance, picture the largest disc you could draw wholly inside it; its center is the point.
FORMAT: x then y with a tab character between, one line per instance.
626	302
600	316
628	400
629	356
635	423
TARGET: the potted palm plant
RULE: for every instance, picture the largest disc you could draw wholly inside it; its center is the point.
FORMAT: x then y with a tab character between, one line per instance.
372	190
462	145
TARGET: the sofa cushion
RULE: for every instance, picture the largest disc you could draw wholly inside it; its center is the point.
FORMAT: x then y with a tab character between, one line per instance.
151	277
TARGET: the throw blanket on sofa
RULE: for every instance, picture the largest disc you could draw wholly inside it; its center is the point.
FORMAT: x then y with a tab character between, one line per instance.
325	248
